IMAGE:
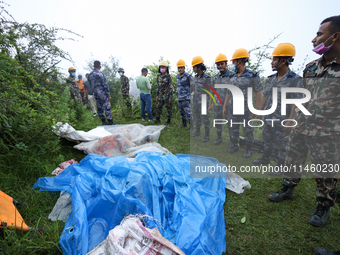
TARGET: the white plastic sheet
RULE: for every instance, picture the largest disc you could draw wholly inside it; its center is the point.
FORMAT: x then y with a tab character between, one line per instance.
236	183
132	238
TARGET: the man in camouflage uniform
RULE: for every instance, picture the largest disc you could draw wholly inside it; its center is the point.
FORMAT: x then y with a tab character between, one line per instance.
164	92
101	93
243	79
184	83
222	77
318	133
71	80
201	77
274	134
125	87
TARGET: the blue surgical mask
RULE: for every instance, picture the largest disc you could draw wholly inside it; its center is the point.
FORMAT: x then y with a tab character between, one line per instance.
120	74
73	74
233	68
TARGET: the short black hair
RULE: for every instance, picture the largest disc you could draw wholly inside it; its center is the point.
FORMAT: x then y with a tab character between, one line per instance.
334	26
80	76
96	63
144	70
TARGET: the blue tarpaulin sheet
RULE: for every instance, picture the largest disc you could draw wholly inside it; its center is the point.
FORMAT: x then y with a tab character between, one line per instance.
187	211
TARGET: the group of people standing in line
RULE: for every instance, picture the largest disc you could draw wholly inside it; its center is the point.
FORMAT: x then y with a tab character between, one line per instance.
317	133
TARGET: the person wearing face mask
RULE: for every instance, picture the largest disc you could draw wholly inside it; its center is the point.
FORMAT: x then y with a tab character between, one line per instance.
164	92
221	62
184	84
243	79
201	77
125	88
275	136
71	80
319	133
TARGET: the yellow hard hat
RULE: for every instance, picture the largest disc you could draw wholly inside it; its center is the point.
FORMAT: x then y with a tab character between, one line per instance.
163	63
221	57
71	69
180	63
284	50
197	60
47	80
240	53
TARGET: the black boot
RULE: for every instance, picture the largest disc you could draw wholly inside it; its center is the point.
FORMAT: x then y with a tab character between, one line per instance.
219	139
184	123
233	146
168	122
158	120
286	192
206	136
322	251
278	168
111	122
265	159
104	122
248	152
320	216
197	133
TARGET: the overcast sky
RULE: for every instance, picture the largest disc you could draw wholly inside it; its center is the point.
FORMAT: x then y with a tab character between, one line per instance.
139	32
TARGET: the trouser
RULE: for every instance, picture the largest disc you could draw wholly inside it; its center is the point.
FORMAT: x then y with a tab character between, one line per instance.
198	114
104	105
247	130
324	152
127	100
159	106
275	137
91	99
185	109
146	101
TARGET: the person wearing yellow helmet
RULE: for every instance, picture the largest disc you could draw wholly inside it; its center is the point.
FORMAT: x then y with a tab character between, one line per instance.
317	134
223	76
275	136
184	83
71	80
243	79
201	77
164	92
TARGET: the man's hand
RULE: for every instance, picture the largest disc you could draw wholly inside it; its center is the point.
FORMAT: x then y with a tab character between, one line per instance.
109	98
170	101
157	99
209	108
224	111
289	127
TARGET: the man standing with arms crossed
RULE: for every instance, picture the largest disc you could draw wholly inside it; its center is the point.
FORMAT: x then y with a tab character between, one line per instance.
318	133
101	93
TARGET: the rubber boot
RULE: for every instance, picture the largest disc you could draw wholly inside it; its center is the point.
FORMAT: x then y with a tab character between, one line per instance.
248	152
158	120
265	159
219	139
277	171
168	122
198	132
111	122
320	216
233	146
286	192
206	136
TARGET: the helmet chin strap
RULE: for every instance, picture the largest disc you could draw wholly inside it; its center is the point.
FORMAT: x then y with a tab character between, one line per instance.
275	68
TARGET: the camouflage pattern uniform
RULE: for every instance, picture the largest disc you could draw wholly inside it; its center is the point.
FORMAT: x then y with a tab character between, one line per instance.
101	93
125	88
164	92
275	137
319	133
75	91
183	94
222	79
247	79
198	101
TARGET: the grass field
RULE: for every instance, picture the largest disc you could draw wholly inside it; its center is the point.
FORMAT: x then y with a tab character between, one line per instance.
269	228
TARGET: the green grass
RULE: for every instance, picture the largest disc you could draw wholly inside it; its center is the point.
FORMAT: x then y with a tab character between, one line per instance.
270	228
